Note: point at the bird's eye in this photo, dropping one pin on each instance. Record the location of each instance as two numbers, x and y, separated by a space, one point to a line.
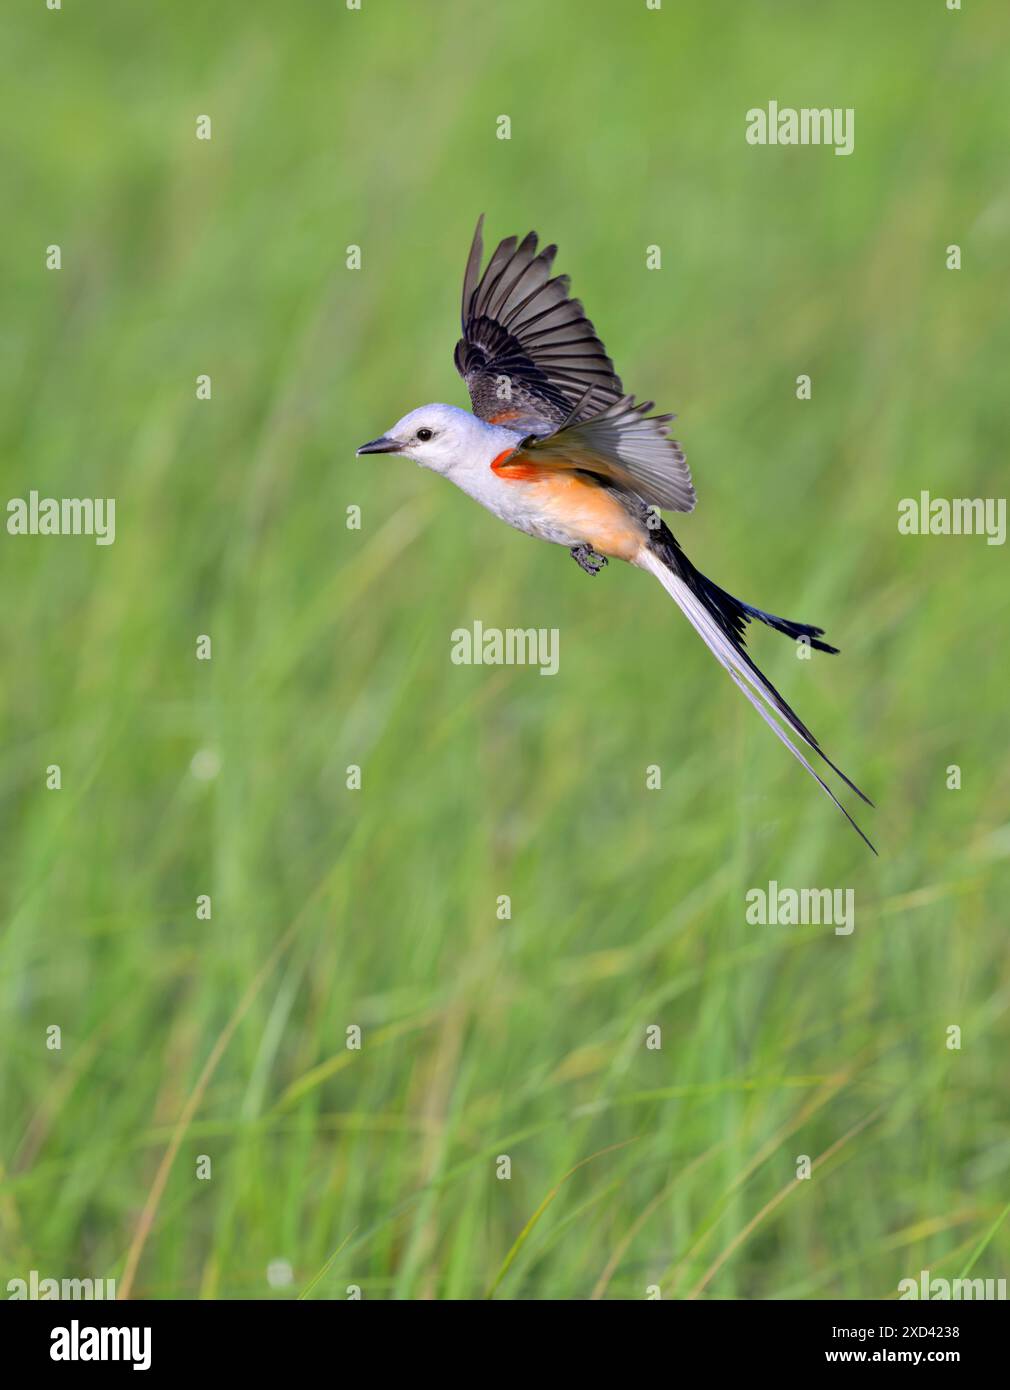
424 434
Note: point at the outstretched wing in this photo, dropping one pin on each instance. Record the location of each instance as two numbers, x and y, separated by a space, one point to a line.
528 353
626 447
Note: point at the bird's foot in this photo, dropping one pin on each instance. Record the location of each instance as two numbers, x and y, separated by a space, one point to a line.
586 557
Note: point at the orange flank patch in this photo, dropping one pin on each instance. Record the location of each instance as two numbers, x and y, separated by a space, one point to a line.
502 416
594 515
565 500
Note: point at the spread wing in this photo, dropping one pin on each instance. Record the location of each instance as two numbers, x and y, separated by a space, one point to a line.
528 353
626 447
531 360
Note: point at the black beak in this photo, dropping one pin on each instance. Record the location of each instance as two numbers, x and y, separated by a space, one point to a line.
382 445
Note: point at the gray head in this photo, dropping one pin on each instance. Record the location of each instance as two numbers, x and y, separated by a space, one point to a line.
435 436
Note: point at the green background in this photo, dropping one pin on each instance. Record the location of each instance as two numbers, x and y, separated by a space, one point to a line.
377 908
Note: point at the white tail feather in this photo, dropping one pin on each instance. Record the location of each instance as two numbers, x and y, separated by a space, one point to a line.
743 673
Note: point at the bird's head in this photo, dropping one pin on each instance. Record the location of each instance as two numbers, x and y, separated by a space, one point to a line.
435 436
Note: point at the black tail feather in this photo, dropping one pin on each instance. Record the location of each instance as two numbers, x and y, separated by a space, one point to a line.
795 630
732 615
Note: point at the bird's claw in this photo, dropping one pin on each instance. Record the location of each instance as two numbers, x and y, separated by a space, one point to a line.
586 558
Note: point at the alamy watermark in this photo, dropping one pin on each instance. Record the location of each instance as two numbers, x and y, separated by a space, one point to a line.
63 516
810 125
510 646
791 907
928 1287
953 516
36 1287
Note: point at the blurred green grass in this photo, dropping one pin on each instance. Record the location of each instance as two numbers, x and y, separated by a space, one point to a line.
484 1038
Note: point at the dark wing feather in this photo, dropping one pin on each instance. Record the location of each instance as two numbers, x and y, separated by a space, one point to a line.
528 354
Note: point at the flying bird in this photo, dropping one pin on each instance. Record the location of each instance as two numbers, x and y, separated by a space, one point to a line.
556 448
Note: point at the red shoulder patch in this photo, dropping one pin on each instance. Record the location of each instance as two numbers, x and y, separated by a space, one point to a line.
519 471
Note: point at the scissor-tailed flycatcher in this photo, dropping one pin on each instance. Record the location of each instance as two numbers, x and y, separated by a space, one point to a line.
556 449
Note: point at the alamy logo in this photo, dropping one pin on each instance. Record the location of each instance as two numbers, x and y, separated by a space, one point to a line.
791 907
511 646
927 1287
63 516
810 125
77 1343
953 516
